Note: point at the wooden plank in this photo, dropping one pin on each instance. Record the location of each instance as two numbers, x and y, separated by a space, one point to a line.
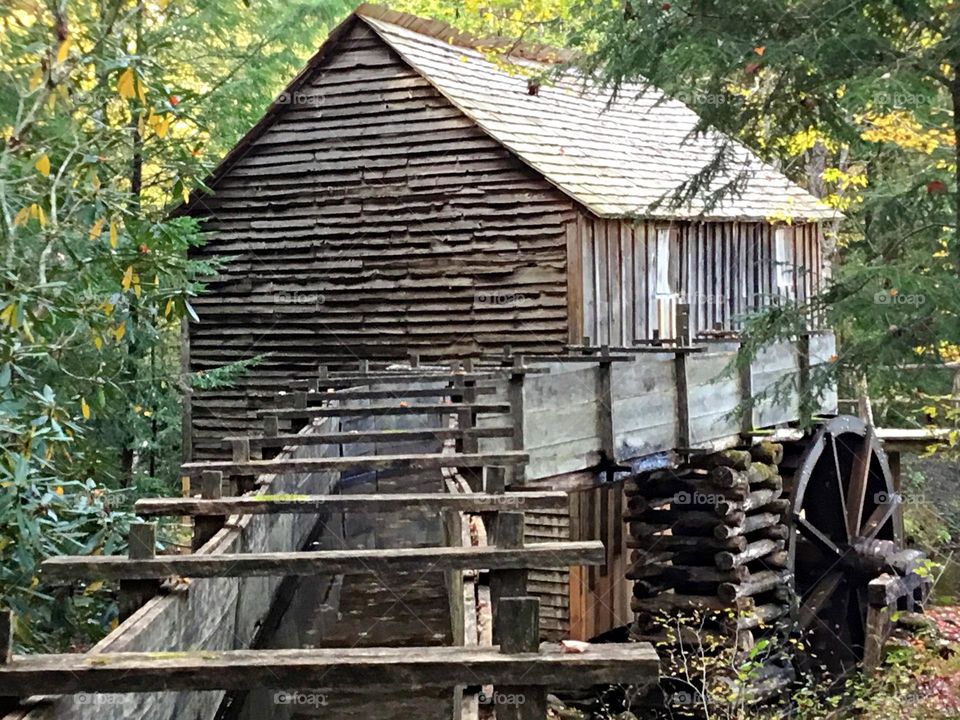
352 380
333 562
373 436
399 393
379 462
380 410
575 306
431 502
359 668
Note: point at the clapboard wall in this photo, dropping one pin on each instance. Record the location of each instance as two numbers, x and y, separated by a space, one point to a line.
369 218
722 270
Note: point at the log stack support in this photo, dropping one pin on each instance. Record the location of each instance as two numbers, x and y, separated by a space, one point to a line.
710 537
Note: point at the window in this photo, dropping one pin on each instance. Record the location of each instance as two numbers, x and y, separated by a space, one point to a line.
784 261
667 281
666 261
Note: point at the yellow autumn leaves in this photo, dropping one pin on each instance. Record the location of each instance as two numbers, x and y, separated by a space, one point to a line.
903 129
96 230
129 86
34 211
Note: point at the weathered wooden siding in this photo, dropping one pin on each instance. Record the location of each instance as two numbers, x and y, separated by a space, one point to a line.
372 217
722 270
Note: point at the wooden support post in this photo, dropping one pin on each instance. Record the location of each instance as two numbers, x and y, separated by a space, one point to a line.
414 360
896 473
240 449
6 637
322 372
746 399
515 396
605 406
518 628
271 425
271 429
806 401
205 527
684 338
466 422
877 629
300 400
508 533
495 479
683 399
141 545
363 365
8 704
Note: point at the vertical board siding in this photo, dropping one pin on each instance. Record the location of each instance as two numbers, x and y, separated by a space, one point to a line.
371 218
599 596
724 271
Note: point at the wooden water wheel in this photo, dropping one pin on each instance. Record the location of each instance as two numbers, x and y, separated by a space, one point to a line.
846 521
786 536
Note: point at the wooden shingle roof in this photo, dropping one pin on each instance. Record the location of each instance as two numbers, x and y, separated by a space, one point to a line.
621 156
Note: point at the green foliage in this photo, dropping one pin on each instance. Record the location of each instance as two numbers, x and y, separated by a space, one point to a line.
857 103
108 112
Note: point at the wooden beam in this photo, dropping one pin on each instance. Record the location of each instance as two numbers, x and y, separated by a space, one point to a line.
378 503
361 668
332 562
363 462
314 398
381 410
273 440
337 380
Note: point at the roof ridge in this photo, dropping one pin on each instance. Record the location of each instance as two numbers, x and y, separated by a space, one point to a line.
445 32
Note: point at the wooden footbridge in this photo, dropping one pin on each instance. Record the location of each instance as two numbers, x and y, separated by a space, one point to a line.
548 498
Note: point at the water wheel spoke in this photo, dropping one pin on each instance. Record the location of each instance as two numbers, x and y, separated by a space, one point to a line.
818 538
817 597
857 489
839 482
879 517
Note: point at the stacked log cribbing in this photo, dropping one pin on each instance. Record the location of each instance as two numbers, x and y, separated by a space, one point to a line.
709 537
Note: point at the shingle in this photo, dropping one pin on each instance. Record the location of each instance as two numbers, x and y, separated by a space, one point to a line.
618 156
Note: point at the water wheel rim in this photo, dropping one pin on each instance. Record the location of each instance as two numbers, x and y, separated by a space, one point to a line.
843 505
